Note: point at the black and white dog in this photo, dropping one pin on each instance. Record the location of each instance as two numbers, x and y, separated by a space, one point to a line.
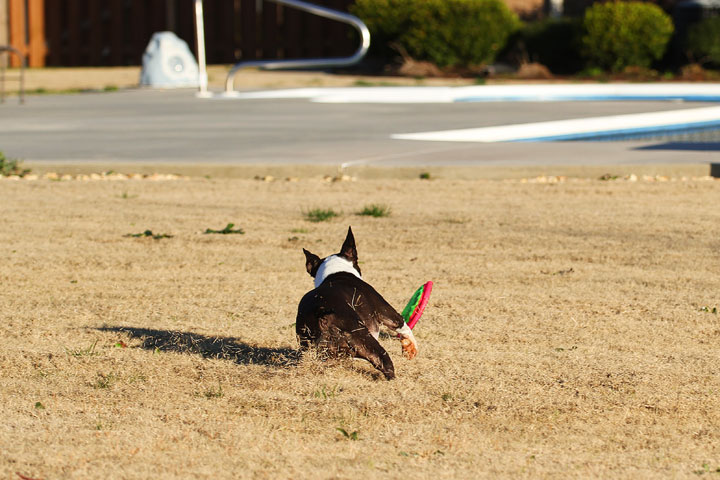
342 315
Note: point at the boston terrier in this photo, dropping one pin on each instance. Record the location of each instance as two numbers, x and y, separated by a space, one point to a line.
342 314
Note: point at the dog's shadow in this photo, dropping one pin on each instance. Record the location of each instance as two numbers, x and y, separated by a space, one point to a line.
227 348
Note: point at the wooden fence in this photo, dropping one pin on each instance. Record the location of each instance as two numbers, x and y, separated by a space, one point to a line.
116 32
26 31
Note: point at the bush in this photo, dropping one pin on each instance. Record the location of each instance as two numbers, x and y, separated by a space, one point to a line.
703 41
618 35
10 167
554 42
457 33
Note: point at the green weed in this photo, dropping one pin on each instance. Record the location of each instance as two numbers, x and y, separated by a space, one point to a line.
425 176
324 392
148 233
706 469
375 210
214 392
320 214
225 231
105 381
348 436
83 352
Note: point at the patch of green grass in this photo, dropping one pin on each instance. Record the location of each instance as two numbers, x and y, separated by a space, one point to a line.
11 167
365 83
148 233
376 210
326 392
83 352
214 392
226 231
607 177
105 381
709 310
299 230
706 469
425 176
70 91
39 406
346 435
320 214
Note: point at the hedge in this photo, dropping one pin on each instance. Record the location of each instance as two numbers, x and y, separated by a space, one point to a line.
623 34
454 33
703 41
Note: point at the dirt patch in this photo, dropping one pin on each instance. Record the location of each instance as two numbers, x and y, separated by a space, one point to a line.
571 328
71 80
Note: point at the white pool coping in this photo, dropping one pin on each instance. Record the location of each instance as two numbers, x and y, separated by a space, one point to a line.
577 128
541 131
702 92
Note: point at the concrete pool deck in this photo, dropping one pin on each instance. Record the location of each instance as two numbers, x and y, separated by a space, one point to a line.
149 126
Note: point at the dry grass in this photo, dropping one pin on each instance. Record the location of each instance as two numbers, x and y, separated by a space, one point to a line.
566 336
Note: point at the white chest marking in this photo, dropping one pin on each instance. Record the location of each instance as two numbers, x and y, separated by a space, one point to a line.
334 264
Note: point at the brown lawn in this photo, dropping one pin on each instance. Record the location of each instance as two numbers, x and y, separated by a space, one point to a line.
571 332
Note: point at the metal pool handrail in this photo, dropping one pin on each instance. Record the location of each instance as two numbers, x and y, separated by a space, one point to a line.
310 62
21 77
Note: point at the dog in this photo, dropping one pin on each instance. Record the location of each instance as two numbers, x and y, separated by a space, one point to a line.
342 314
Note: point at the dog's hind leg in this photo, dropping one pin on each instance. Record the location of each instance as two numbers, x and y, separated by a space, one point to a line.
347 336
364 345
389 317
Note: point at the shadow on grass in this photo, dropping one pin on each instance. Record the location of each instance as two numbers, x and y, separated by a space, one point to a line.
210 347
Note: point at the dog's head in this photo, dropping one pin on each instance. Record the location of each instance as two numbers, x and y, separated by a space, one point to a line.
344 261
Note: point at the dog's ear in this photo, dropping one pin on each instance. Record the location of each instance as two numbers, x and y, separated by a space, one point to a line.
348 249
312 262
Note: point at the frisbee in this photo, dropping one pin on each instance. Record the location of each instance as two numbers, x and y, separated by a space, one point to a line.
415 307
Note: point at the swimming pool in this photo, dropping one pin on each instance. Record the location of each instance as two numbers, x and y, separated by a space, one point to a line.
703 123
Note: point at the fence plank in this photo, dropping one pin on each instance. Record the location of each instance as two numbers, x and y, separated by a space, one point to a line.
53 22
248 30
95 37
16 11
117 37
73 29
138 23
36 33
270 31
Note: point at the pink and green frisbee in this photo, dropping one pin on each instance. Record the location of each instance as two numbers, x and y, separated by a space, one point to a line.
415 307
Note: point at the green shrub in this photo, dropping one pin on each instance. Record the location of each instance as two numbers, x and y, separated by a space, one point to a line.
446 32
11 167
703 41
618 35
556 43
